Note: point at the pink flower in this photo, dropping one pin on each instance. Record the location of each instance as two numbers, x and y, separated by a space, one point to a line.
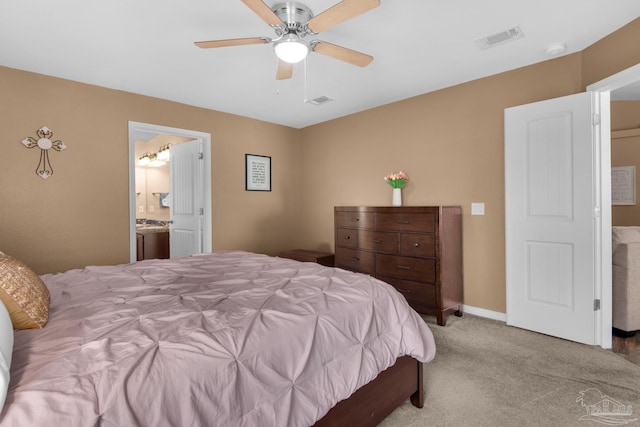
397 180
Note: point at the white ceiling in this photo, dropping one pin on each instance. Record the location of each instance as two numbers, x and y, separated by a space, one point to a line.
146 47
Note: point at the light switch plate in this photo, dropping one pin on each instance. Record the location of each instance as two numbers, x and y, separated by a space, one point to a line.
477 208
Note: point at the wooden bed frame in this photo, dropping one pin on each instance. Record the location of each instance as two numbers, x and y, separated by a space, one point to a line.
370 404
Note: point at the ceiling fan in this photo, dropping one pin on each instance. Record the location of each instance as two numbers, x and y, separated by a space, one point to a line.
292 23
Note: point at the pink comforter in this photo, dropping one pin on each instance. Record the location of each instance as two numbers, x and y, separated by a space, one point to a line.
222 339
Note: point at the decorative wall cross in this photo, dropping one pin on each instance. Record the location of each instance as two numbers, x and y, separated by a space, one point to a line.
43 141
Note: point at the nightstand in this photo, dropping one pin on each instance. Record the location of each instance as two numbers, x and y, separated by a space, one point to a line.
322 258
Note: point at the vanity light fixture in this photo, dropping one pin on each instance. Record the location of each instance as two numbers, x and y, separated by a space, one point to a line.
144 160
150 159
155 161
164 153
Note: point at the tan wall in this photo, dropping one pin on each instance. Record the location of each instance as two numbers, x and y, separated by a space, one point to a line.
626 152
625 115
80 215
616 52
450 143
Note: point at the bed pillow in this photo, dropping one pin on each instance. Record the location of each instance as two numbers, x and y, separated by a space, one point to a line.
6 348
23 294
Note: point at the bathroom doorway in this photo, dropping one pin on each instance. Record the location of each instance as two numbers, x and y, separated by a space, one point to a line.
150 188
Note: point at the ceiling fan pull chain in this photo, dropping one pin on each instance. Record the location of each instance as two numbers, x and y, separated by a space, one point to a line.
305 80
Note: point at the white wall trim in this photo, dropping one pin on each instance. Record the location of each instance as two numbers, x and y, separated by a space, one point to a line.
616 81
602 88
136 131
482 312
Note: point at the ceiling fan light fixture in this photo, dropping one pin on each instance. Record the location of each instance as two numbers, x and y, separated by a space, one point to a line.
292 22
291 49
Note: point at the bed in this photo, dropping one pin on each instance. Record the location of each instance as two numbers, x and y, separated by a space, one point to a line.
229 338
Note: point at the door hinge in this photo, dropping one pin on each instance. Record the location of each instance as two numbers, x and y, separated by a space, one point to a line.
596 304
596 212
201 211
596 119
200 155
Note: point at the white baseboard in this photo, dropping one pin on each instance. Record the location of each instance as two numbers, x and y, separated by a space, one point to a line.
483 312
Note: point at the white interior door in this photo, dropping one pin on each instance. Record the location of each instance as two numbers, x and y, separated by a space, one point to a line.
187 199
551 217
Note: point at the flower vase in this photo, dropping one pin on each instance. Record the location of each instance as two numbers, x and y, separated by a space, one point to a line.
396 200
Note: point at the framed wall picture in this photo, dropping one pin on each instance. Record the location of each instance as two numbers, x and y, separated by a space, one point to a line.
623 185
258 172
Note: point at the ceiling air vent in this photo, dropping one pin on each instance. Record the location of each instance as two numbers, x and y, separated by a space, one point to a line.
319 100
499 38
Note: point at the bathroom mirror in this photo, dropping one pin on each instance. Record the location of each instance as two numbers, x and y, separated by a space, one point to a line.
152 178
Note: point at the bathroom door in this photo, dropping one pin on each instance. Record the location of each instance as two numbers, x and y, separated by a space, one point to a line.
187 198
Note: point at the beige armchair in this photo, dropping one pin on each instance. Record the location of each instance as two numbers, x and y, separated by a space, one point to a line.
626 278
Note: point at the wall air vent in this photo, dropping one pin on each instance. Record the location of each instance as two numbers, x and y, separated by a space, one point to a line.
500 38
319 100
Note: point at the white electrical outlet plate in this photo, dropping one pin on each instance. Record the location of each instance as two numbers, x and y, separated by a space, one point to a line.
477 208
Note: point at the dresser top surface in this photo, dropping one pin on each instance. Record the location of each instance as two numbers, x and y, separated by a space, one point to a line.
393 208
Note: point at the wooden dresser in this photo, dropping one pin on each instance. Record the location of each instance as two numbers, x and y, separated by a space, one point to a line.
417 249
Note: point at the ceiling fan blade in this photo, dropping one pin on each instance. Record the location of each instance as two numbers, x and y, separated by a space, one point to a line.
261 9
339 13
342 53
285 70
231 42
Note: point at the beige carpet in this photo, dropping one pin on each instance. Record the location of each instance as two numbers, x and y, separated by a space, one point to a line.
488 374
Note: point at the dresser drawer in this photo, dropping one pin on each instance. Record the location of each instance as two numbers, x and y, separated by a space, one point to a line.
416 293
422 245
352 259
406 268
354 219
423 222
378 241
347 237
416 249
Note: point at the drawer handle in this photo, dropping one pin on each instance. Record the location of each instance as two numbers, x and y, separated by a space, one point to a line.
377 241
400 221
355 259
417 245
347 237
404 291
404 267
355 219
